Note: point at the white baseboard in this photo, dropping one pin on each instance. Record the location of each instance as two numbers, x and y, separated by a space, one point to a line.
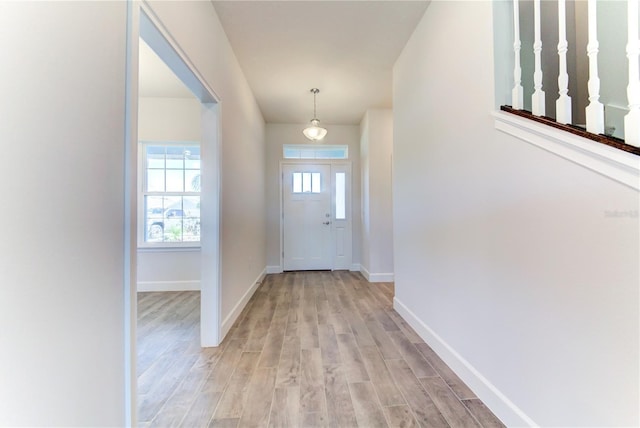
355 267
376 277
168 285
274 269
237 309
495 400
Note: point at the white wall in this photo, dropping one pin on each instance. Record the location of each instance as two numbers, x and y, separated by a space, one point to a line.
169 119
276 136
196 29
505 258
62 179
376 147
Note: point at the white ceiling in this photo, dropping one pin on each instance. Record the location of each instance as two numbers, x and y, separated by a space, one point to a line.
345 48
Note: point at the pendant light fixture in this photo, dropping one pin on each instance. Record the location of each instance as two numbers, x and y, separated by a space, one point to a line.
314 132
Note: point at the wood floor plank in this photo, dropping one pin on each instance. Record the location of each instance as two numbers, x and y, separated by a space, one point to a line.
314 420
482 414
260 327
328 345
272 348
289 364
340 410
201 411
312 382
162 390
224 423
339 323
424 410
380 377
387 323
455 383
367 407
400 417
351 358
450 407
180 401
322 308
412 356
221 373
387 348
360 331
404 327
234 396
259 395
285 410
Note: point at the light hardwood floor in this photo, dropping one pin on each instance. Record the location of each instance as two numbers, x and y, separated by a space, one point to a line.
310 349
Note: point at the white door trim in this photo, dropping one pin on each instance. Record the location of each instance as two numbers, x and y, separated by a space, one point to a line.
142 22
336 166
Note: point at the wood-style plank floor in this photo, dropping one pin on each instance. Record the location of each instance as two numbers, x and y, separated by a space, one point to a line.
310 349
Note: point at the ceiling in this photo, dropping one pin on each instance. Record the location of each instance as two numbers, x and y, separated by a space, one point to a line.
345 48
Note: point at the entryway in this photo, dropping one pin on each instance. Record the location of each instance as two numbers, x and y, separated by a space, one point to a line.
316 216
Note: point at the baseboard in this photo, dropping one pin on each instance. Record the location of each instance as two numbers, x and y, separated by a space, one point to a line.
237 309
168 286
495 400
376 277
355 267
274 269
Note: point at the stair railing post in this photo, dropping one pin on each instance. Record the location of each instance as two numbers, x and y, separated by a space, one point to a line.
595 109
632 119
537 99
563 103
517 94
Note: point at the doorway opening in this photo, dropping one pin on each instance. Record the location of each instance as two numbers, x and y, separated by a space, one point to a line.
169 206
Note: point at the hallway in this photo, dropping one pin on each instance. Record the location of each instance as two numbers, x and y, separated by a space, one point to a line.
310 349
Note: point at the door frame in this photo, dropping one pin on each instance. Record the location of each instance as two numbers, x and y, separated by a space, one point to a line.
142 22
335 166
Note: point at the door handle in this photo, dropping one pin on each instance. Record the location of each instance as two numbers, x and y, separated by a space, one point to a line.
326 223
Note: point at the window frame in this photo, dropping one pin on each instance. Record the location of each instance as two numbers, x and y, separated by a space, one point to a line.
141 193
304 151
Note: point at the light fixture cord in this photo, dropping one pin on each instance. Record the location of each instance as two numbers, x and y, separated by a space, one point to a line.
314 105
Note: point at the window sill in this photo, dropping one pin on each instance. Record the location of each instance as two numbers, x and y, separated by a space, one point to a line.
181 249
619 165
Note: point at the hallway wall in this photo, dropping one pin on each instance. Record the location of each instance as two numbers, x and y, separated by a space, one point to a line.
62 358
376 149
507 259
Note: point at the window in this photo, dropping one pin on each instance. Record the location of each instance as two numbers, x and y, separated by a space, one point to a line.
341 201
306 182
170 194
308 151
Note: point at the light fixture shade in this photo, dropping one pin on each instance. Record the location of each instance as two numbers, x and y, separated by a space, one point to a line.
315 132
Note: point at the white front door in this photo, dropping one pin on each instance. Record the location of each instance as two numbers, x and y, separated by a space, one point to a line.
307 217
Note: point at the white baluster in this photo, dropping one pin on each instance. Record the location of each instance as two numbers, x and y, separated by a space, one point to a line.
537 99
517 94
563 103
632 119
595 109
